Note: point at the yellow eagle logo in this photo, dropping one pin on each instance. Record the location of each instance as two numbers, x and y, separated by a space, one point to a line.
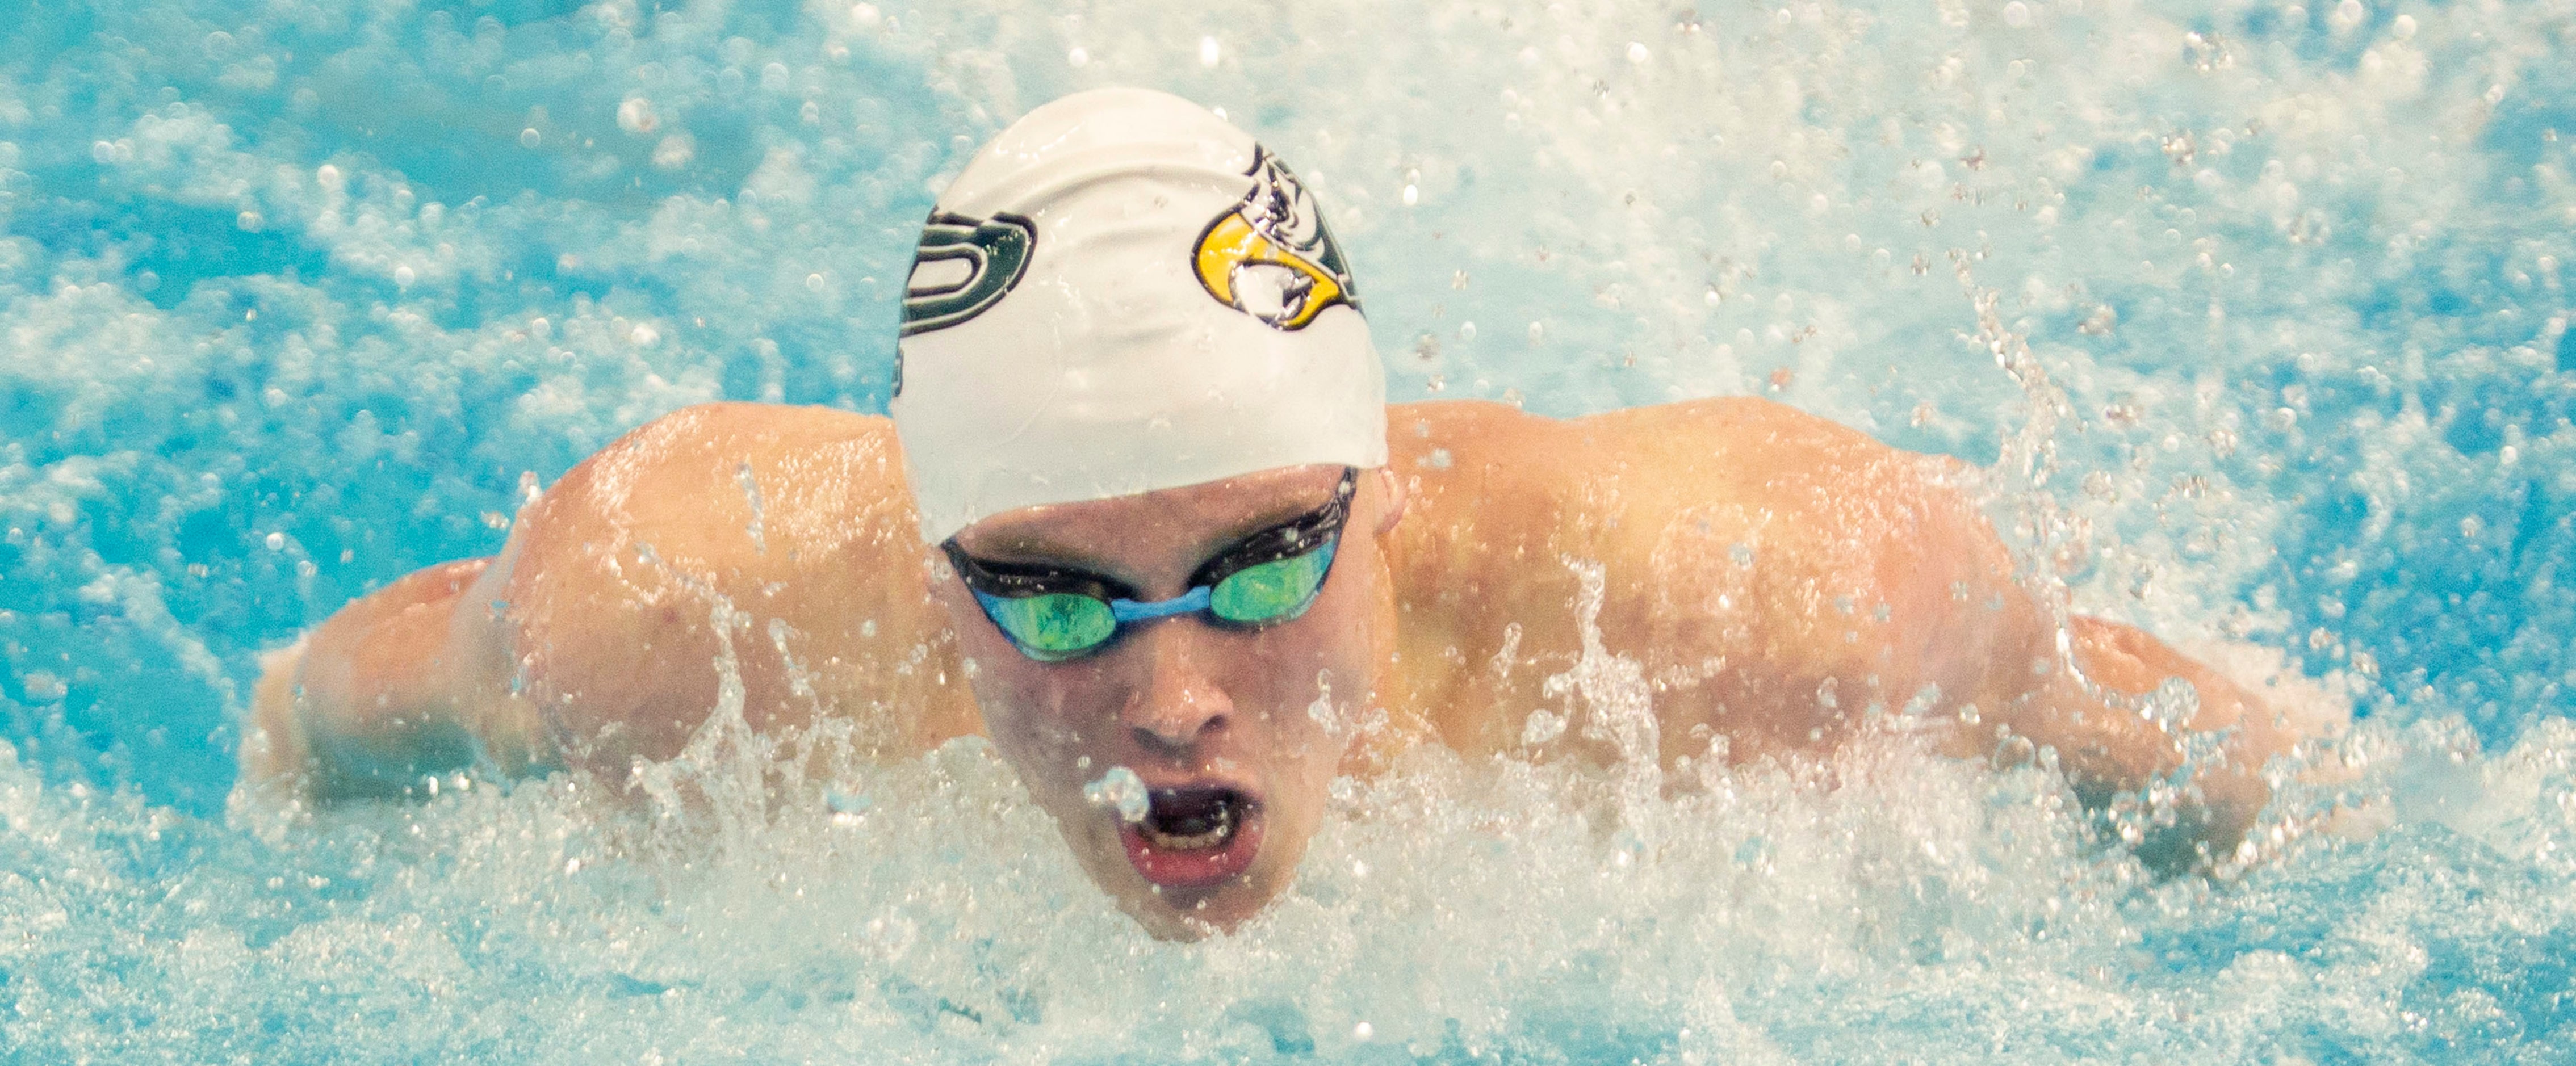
1270 256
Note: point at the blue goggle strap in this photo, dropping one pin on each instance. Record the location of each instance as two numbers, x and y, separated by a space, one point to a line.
1191 602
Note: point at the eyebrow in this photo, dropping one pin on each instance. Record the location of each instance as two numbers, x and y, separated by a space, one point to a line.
1017 563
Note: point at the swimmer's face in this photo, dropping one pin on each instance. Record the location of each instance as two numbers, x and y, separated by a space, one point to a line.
1236 732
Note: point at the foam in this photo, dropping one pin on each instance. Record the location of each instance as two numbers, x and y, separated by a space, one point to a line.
2272 353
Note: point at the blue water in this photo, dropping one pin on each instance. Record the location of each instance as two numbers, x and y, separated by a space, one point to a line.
2255 312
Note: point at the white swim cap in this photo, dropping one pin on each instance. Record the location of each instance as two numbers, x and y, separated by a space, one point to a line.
1123 293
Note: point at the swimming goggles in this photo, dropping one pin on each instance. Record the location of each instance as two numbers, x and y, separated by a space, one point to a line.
1053 613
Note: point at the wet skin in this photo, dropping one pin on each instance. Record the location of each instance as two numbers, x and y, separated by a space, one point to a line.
1777 579
1183 703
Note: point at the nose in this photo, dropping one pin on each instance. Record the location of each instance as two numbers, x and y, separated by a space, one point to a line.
1177 704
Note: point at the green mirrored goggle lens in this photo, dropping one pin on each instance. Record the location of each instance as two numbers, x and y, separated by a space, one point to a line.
1273 591
1055 625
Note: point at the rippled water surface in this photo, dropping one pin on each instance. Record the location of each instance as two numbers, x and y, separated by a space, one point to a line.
2254 310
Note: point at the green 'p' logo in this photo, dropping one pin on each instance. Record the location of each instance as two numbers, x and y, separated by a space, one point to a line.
962 266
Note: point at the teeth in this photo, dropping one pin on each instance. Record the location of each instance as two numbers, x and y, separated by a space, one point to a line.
1215 835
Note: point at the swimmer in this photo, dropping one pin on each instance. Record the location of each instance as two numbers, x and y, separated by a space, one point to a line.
1141 515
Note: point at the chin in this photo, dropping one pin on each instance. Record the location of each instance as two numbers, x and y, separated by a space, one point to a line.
1195 914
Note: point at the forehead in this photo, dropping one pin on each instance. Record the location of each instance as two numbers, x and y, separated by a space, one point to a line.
1144 526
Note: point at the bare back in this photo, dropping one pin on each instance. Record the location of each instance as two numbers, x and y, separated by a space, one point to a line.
1776 578
1774 575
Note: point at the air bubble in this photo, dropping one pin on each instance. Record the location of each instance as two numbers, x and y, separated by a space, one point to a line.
675 151
636 116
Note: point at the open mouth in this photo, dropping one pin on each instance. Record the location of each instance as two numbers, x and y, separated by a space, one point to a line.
1194 837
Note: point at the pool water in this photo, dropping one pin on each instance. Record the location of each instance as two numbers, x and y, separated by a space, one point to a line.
2255 313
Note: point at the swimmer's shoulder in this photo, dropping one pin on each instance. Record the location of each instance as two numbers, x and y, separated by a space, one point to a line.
794 520
1672 493
1740 433
733 499
1420 426
724 481
1732 443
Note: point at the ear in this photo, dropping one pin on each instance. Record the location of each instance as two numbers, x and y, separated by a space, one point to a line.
1393 488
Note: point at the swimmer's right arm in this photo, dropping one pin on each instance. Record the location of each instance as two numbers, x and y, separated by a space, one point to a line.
377 696
592 639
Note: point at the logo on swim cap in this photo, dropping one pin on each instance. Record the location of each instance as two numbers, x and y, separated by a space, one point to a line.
962 266
1270 256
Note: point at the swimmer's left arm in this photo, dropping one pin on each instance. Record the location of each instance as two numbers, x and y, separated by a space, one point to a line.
2098 717
1870 576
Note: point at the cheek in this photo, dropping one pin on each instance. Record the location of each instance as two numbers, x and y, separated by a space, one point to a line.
1042 717
1324 656
1342 638
1028 729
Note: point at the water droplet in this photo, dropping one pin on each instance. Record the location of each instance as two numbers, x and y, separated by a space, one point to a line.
1209 52
1078 57
1121 790
529 137
2017 14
